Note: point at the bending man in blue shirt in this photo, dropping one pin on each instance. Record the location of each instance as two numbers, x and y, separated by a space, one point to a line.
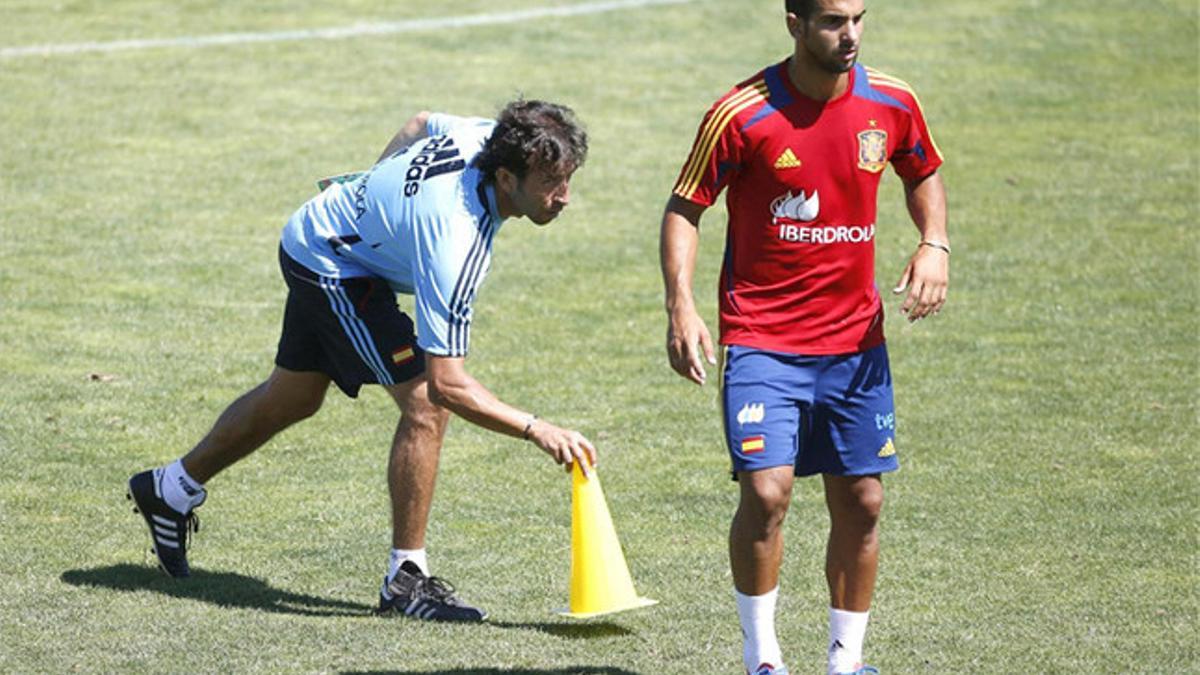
420 222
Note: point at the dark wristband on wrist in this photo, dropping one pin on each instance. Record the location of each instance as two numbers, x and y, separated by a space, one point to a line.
528 426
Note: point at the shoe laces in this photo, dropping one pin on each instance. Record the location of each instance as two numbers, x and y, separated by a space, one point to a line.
191 523
437 588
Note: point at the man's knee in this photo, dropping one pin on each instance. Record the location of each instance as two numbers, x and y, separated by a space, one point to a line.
286 400
306 408
416 407
857 502
428 417
764 503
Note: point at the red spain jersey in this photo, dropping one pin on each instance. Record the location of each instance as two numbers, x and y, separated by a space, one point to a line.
802 177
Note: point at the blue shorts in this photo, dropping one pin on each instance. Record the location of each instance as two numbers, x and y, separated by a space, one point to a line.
820 414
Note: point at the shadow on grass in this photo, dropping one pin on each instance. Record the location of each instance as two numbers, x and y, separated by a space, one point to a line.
569 631
225 589
571 670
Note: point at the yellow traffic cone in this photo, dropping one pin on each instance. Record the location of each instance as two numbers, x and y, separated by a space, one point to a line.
600 582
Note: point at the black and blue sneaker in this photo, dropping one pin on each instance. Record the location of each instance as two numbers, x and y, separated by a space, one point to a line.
411 593
170 530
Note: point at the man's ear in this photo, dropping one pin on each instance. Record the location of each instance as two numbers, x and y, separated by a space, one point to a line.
506 180
795 26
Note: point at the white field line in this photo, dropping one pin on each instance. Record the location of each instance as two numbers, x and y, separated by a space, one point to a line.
336 33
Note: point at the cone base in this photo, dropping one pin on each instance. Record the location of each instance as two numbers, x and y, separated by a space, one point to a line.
636 603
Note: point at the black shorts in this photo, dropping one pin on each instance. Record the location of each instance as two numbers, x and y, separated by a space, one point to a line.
349 329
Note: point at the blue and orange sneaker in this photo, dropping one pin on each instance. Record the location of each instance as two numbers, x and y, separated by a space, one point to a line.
862 670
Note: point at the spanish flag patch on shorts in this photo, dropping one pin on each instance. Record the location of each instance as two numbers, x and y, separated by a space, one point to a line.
752 445
402 356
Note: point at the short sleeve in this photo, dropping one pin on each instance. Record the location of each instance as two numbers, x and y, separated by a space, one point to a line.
916 155
715 155
450 267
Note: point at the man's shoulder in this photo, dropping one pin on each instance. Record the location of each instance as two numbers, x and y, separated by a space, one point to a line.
455 205
746 102
884 89
434 181
444 123
884 80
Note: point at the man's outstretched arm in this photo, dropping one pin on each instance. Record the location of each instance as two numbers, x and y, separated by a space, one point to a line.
452 387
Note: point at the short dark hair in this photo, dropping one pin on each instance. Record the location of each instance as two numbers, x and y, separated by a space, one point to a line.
803 9
534 134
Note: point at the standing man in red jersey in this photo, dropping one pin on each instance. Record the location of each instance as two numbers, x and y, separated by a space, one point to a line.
805 383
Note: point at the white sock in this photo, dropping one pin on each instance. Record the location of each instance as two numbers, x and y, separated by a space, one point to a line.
759 643
399 555
846 633
179 490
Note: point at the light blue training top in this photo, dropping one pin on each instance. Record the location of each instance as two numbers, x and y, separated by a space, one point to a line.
423 220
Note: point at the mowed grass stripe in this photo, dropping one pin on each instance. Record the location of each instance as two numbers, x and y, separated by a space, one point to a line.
334 33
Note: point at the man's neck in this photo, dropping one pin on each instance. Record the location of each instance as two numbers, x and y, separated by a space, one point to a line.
504 206
816 82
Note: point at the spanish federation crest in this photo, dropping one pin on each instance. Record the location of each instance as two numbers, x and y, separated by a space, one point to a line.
872 150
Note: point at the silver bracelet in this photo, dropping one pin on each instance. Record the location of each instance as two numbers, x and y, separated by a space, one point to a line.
935 244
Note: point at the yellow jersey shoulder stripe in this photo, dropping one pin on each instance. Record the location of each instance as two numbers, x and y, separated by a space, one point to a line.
706 141
714 126
872 72
889 84
881 79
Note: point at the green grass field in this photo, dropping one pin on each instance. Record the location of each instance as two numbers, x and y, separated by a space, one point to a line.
1045 520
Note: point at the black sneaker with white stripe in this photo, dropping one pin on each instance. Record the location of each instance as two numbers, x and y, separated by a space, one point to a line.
170 530
411 593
